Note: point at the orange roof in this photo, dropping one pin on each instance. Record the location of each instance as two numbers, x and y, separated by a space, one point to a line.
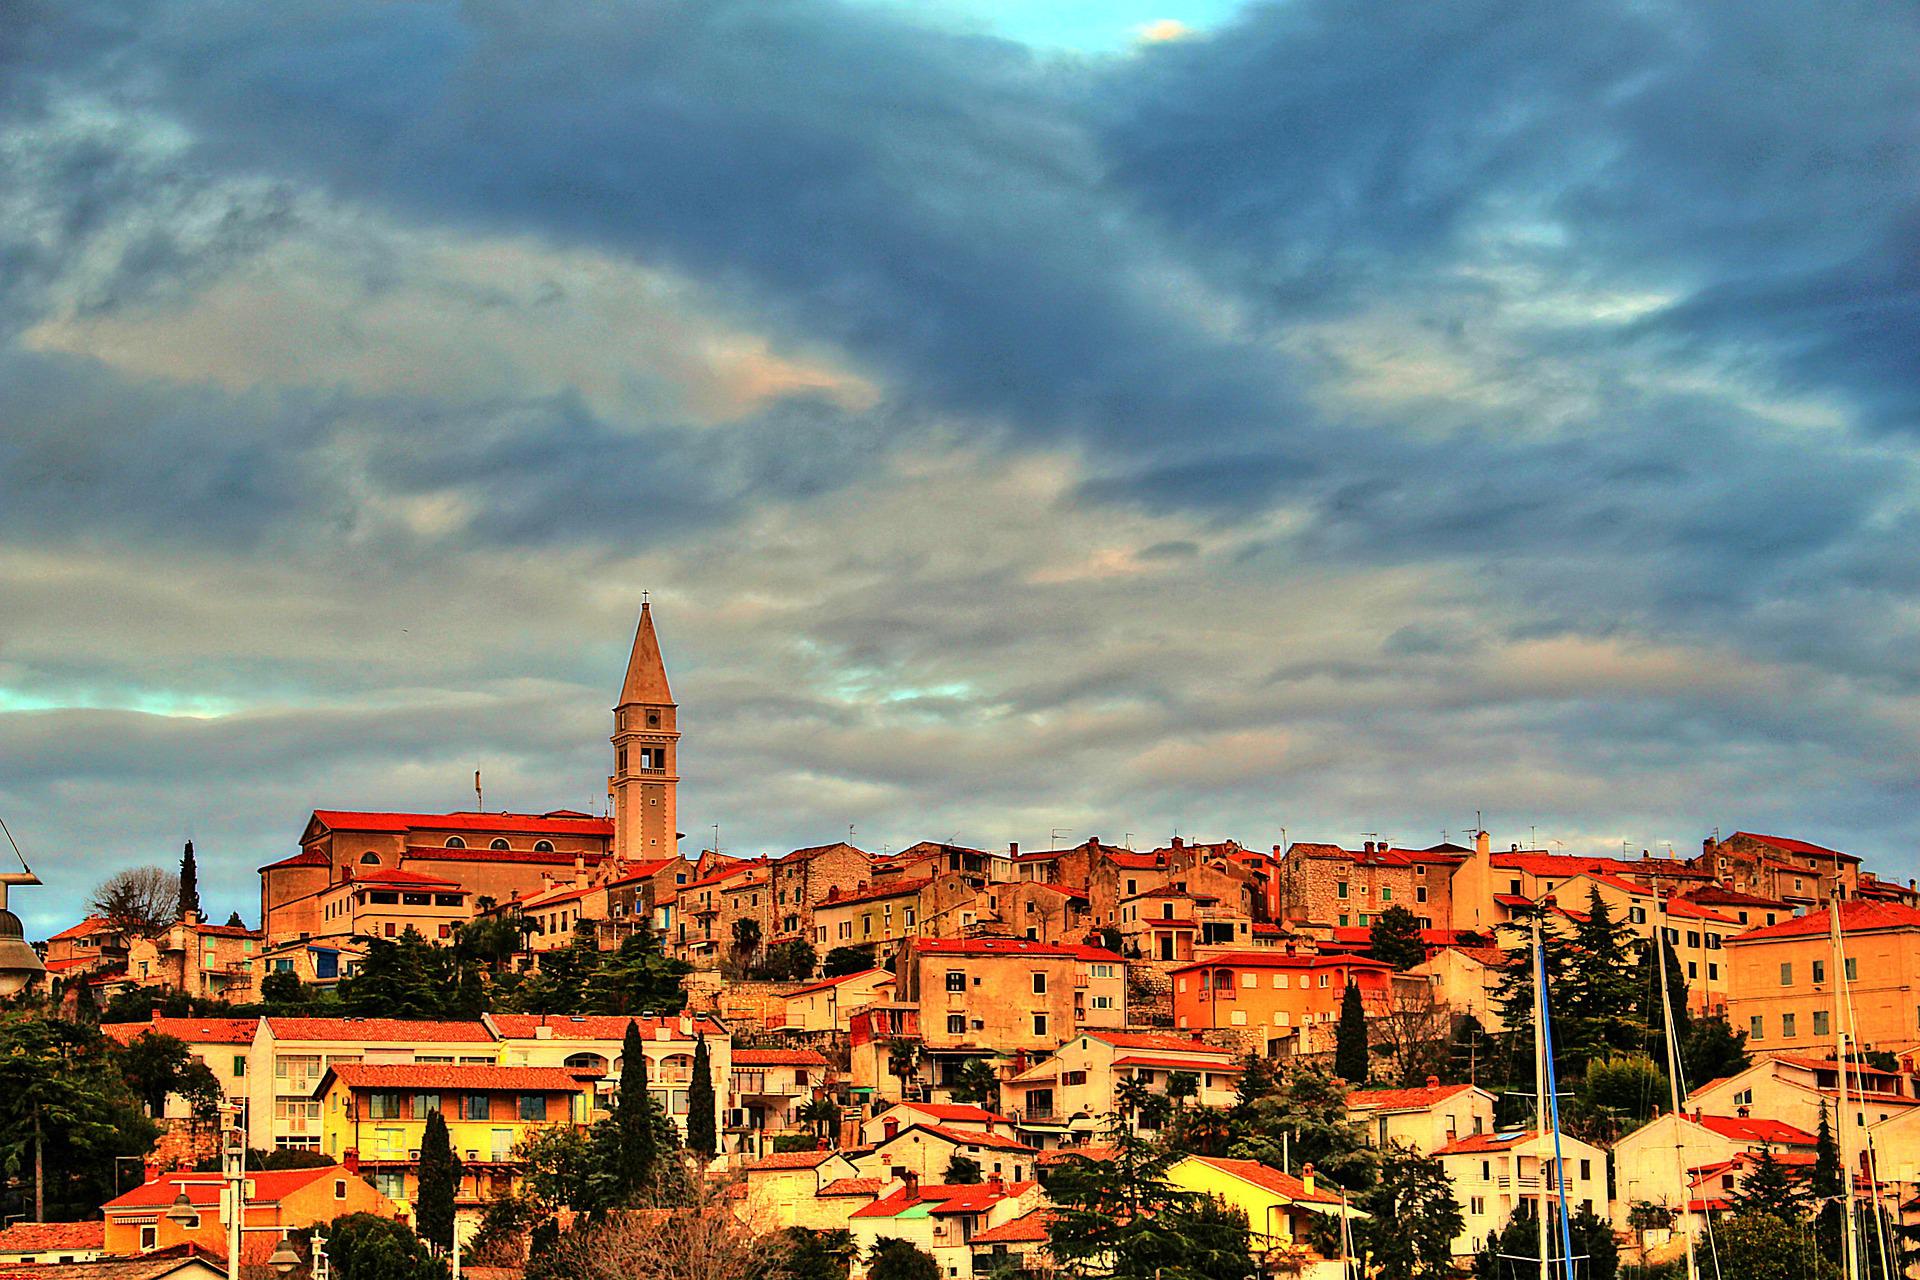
852 1187
1748 1129
964 1137
1165 1041
1280 960
1788 845
377 1030
642 871
191 1030
1402 1099
92 924
793 1160
993 947
1176 1064
32 1237
873 893
778 1058
954 1113
1500 1141
267 1186
1855 917
594 1026
402 877
304 858
974 1197
558 822
1028 1228
825 983
1088 1151
440 1075
1269 1179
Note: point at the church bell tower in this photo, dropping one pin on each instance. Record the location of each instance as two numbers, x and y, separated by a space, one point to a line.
646 743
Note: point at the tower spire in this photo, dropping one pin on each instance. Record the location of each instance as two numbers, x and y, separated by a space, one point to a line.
646 671
646 739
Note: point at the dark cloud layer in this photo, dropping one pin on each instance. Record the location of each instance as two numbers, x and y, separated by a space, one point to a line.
1345 411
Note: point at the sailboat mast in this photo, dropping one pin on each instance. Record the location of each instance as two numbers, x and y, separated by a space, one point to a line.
1540 1081
1841 1127
1673 1079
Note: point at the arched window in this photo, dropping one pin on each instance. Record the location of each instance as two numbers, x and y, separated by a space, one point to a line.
498 843
587 1062
369 859
455 842
543 846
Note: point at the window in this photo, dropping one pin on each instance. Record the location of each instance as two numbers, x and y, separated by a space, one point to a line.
1513 887
1103 971
455 842
1323 979
383 1106
1756 1027
1713 942
1852 969
1343 920
149 1237
1279 982
1420 890
1819 970
391 1183
339 1188
1787 1028
498 844
1636 915
957 980
533 1106
1786 973
1820 1022
1340 889
1478 1205
1386 895
446 899
1040 1024
543 846
956 1024
1673 936
424 1103
1693 970
1586 1166
1743 1098
1039 984
1713 973
1103 1002
1693 937
239 1064
479 1107
1365 919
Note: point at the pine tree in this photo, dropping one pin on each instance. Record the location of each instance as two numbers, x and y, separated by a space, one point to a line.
1303 1118
1648 1012
189 883
1829 1215
1350 1040
636 1135
1597 1013
1395 939
700 1123
1412 1219
439 1177
1770 1189
1515 997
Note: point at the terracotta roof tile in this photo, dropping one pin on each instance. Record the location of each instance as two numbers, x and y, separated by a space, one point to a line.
1269 1179
268 1186
560 822
595 1026
778 1058
1855 917
378 1030
33 1237
190 1030
792 1160
440 1075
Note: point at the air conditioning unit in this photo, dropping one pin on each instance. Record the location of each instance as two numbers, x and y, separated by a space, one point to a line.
413 1155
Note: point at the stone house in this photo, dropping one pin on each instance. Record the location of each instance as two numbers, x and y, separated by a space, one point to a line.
802 880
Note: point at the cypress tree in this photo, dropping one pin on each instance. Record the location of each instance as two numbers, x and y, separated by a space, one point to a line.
439 1176
1829 1218
638 1139
1350 1041
1599 1010
189 883
700 1127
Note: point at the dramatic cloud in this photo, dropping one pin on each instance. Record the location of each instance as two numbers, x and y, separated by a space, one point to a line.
1331 416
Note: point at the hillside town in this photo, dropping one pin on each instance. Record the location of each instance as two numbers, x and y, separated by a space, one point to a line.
541 1043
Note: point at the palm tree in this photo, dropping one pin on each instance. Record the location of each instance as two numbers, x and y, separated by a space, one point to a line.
822 1114
746 937
903 1059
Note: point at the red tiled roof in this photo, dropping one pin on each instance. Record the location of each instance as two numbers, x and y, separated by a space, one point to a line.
1280 960
873 893
825 983
1164 1041
1675 905
793 1160
1269 1179
304 858
594 1026
1475 1142
1855 917
1788 845
190 1030
1717 895
377 1030
1087 1151
33 1237
778 1058
1028 1228
226 931
1485 955
812 851
1747 1129
394 876
559 822
1402 1099
92 924
853 1187
718 877
440 1075
993 947
1176 1064
642 871
967 1198
955 1113
267 1186
964 1137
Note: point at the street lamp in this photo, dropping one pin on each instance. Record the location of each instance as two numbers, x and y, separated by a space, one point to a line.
283 1259
181 1212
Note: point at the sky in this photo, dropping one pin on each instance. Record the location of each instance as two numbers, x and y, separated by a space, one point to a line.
1031 421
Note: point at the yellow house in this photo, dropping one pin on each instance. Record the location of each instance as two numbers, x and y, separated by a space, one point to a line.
824 1005
1277 1204
375 1118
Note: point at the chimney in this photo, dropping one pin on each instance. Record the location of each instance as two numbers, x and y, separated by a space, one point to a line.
1178 843
686 1026
1433 1082
154 1171
1306 1176
1013 848
997 1184
542 1031
911 1181
1277 851
1743 1112
1482 842
350 1161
